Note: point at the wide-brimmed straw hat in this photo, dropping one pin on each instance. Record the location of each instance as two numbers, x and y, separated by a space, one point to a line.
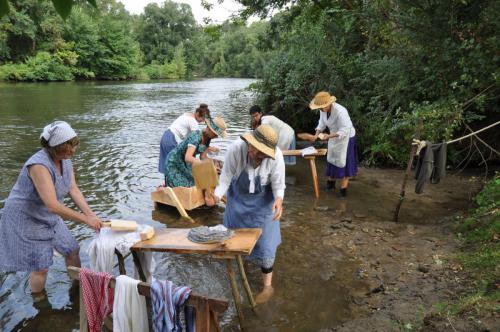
264 139
322 100
217 125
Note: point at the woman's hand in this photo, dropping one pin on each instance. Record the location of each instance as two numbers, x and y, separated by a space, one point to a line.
93 221
278 208
213 149
211 199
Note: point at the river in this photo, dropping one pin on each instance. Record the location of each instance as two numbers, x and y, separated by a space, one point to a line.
120 125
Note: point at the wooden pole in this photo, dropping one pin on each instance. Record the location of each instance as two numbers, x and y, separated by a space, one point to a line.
246 285
234 289
408 171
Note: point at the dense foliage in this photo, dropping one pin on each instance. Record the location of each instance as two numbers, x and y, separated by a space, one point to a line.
390 62
36 44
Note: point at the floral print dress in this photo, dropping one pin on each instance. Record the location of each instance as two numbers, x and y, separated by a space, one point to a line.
177 172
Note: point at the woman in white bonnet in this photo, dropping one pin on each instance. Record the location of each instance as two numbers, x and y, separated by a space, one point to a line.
31 225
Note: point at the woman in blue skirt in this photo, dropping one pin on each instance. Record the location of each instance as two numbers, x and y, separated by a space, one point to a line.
179 130
342 157
32 225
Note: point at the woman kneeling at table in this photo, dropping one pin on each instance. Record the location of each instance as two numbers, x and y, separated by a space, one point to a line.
178 171
32 225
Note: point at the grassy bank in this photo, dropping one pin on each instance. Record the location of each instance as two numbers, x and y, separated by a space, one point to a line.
479 256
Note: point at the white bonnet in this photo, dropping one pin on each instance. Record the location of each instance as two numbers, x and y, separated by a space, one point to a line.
57 133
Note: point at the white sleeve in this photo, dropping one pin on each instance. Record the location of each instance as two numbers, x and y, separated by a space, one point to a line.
278 176
344 123
228 170
321 123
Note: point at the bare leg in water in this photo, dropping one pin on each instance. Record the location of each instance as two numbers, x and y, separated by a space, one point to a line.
268 290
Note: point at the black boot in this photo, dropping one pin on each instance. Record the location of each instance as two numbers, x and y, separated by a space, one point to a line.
330 184
343 192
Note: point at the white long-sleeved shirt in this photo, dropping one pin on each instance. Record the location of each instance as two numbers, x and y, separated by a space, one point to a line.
271 171
285 133
182 126
338 122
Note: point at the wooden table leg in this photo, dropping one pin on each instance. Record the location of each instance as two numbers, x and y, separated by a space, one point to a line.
245 281
138 265
121 262
234 289
312 163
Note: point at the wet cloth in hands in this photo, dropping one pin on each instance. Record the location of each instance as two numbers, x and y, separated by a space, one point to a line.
102 249
214 234
129 309
166 302
431 165
97 296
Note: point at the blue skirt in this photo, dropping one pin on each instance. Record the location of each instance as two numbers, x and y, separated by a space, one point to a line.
351 163
291 160
167 144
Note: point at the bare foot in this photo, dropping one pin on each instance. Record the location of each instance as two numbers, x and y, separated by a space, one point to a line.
265 295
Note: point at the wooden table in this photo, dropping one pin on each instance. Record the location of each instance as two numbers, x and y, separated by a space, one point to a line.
175 240
312 163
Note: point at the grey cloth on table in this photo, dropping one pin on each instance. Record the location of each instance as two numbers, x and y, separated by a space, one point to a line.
204 234
431 165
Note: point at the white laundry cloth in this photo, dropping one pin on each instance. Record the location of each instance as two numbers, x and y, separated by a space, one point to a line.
307 151
129 308
102 249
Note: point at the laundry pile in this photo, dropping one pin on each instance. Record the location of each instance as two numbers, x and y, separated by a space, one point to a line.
214 234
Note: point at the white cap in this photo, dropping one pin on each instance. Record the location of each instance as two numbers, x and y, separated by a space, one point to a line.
57 133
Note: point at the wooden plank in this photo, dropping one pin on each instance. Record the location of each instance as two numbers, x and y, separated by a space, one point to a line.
144 289
321 152
175 240
205 175
244 279
190 198
236 293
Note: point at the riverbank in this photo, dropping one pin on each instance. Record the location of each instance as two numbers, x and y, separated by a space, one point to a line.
418 274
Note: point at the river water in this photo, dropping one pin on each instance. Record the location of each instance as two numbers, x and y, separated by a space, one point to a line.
120 125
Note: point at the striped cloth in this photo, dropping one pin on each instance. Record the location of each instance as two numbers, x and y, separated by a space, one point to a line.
166 299
97 296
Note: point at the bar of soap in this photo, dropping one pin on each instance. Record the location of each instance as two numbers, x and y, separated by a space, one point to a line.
147 233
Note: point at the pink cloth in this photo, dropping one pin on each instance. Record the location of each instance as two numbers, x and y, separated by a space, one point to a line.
97 296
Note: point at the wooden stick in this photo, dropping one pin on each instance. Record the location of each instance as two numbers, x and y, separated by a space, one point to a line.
234 289
121 262
178 204
408 171
312 163
83 312
246 285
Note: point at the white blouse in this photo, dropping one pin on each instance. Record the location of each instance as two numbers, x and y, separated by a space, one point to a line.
286 134
236 160
182 126
338 122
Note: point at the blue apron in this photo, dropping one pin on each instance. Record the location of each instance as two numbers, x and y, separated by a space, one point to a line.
245 210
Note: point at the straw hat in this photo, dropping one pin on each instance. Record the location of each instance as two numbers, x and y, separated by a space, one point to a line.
322 100
217 125
264 139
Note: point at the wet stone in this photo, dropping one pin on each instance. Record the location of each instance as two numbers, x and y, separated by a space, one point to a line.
321 208
423 268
